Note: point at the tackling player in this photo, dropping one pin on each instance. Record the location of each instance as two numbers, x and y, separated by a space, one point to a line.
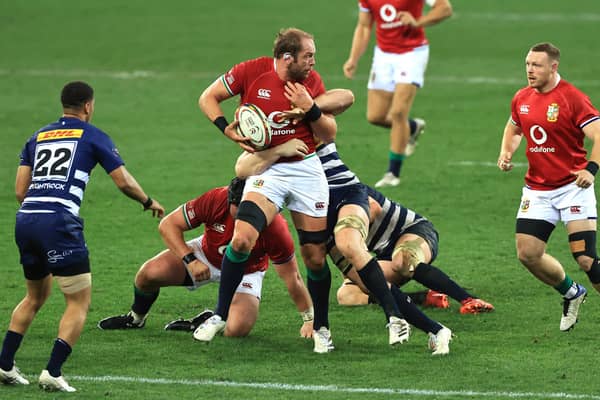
55 168
555 117
203 255
275 85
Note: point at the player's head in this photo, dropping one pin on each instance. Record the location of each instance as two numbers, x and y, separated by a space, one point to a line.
297 50
78 98
235 191
542 65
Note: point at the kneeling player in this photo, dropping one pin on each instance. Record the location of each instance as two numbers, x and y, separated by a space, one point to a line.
195 263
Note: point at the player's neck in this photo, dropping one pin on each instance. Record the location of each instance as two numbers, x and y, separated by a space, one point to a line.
552 83
70 114
280 70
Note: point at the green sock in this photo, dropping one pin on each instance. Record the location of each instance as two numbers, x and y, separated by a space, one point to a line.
565 285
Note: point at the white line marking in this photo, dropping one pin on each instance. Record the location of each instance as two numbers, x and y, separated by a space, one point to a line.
335 388
483 164
530 17
158 75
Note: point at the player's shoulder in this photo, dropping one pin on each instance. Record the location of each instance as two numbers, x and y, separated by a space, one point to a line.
258 64
567 87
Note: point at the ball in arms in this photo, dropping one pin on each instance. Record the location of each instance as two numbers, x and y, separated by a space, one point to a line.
253 124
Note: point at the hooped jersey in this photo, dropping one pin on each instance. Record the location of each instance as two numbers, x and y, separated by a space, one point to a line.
337 173
212 209
392 36
552 124
257 82
62 156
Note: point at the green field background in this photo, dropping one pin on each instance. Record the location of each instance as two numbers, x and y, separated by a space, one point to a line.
150 60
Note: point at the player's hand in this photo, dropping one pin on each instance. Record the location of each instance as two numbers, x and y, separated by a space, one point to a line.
231 133
297 94
294 115
585 179
406 18
292 148
306 331
505 161
157 209
349 69
198 270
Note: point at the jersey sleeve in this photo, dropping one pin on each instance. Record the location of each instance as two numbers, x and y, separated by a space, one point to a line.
106 152
199 210
235 79
363 5
279 242
514 113
24 157
583 110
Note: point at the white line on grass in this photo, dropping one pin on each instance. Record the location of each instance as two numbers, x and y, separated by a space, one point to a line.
483 164
335 388
151 75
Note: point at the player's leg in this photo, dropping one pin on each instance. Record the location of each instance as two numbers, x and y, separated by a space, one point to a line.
255 212
242 315
164 269
378 106
77 291
582 241
22 316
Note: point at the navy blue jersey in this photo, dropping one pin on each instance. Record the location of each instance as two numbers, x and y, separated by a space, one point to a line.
390 224
62 156
337 173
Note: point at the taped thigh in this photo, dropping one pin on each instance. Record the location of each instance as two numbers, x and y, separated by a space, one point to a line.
352 222
412 253
75 283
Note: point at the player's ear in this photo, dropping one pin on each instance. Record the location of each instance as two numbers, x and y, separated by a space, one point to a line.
287 56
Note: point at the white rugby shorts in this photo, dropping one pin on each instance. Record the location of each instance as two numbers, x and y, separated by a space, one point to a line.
299 185
567 203
389 69
251 283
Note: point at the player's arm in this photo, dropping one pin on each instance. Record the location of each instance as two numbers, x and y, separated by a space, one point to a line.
210 104
288 272
171 229
256 163
586 176
510 142
440 10
360 42
22 182
132 189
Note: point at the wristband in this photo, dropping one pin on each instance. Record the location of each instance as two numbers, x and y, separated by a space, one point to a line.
221 123
313 114
592 167
308 315
147 203
188 258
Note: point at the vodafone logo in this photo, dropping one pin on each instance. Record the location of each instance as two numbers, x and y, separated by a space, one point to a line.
538 134
387 13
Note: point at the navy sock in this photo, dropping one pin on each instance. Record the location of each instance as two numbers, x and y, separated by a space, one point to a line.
142 301
437 280
11 344
60 352
412 314
396 161
413 126
319 285
373 278
232 272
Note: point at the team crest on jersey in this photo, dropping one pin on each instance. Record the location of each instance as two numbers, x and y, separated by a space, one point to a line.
524 205
552 113
258 183
524 109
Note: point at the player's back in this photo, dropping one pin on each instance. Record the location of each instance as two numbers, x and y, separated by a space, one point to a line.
62 156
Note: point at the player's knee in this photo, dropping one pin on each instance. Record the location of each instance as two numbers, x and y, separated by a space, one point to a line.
313 257
242 243
583 249
237 328
529 255
376 119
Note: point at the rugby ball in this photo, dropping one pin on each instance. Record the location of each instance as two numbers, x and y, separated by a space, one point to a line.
253 124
